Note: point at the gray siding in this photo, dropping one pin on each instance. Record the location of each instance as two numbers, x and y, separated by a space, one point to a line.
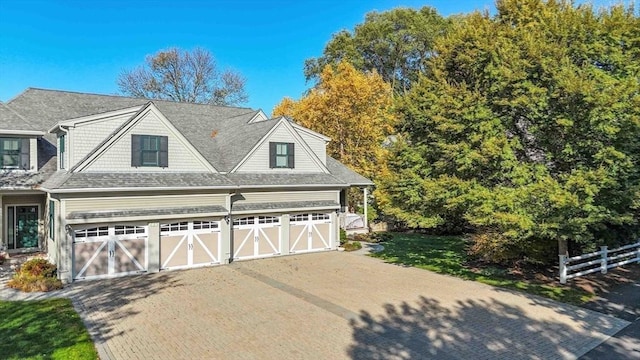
118 156
267 197
318 146
142 202
86 136
259 160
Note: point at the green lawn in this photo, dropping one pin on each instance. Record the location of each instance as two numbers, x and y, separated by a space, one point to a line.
43 329
447 255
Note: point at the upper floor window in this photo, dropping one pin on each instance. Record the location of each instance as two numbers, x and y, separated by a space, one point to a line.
281 155
14 153
62 147
149 150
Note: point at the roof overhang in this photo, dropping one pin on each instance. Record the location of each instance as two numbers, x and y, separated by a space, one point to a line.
89 217
22 132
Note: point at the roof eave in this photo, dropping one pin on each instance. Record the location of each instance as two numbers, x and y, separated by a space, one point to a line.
22 132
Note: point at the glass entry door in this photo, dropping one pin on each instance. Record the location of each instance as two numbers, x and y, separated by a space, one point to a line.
22 227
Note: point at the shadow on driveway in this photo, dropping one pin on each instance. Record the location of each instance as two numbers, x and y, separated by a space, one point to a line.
425 330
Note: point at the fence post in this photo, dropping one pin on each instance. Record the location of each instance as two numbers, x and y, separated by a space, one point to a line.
563 269
603 262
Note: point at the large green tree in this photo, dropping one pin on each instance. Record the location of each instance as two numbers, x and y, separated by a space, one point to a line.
526 131
396 43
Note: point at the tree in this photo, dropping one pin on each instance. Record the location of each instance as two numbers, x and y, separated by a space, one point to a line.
526 131
179 75
396 43
354 109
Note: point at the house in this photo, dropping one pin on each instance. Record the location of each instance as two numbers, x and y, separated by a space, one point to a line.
110 185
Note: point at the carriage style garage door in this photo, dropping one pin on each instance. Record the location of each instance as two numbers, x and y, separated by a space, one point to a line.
189 244
310 232
256 236
109 250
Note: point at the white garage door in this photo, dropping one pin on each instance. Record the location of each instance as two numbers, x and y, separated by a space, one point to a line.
108 250
309 232
256 236
188 244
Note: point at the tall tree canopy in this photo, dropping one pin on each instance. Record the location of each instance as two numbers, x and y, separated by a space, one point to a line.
526 130
353 109
184 76
396 43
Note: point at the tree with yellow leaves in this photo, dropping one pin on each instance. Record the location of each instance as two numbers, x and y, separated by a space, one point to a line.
354 109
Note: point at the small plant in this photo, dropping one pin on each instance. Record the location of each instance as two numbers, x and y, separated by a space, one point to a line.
343 237
352 246
35 275
2 257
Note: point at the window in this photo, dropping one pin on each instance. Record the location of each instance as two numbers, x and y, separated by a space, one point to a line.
129 229
316 216
149 150
281 155
179 226
62 148
10 153
92 232
268 220
243 221
197 225
52 220
299 217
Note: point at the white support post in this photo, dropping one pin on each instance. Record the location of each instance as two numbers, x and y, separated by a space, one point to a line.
563 269
366 205
603 261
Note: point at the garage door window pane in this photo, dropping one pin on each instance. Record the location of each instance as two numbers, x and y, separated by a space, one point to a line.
198 225
300 217
319 216
268 220
179 226
92 232
244 221
126 230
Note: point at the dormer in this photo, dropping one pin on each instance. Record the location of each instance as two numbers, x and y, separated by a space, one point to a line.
18 142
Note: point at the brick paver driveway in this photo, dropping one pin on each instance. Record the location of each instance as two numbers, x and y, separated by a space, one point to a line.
328 306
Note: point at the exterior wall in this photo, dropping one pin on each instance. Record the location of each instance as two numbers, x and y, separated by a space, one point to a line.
318 146
267 197
118 156
86 136
259 160
142 202
33 154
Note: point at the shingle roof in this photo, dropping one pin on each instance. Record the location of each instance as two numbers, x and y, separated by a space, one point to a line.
86 180
285 205
26 180
345 174
189 210
221 134
10 120
284 179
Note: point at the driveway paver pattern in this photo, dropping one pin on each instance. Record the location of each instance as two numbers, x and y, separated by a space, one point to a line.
328 306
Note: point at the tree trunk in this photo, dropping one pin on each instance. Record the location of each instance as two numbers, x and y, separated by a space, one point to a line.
563 247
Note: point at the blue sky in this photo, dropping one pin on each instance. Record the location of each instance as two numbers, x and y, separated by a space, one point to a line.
84 45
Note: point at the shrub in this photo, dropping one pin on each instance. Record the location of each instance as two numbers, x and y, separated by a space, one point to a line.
35 275
2 257
352 246
343 237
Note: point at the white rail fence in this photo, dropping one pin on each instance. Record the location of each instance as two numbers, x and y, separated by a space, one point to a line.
602 261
